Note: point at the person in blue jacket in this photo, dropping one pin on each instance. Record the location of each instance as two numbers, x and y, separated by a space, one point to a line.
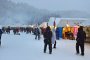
57 33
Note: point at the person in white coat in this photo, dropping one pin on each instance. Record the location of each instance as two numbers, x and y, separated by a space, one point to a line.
54 37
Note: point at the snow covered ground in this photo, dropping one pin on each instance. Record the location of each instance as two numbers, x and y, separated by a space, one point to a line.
25 47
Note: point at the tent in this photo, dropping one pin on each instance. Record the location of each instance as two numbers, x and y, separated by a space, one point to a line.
62 22
44 25
66 25
70 21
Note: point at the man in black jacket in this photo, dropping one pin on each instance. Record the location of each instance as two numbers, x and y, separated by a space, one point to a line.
81 37
47 40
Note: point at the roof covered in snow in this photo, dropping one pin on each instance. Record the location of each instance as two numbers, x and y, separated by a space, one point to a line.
61 22
86 23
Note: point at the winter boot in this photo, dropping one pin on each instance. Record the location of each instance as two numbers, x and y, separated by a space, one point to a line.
82 54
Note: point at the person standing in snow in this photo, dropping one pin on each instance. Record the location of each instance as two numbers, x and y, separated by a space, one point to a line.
47 39
0 35
37 33
54 37
81 37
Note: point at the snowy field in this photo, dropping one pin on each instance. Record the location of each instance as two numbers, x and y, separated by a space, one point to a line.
25 47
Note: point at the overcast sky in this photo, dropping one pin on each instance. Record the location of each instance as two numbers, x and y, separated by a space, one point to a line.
58 5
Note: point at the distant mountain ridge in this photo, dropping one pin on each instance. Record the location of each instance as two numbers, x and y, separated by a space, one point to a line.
13 13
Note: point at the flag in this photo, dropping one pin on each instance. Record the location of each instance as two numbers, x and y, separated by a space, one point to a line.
54 23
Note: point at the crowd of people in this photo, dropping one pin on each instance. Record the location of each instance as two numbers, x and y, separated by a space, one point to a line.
49 35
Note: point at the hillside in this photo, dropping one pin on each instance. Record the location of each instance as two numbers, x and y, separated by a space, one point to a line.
13 13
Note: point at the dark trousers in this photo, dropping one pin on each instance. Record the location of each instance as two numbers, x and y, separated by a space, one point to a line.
50 47
0 40
37 36
55 45
81 47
